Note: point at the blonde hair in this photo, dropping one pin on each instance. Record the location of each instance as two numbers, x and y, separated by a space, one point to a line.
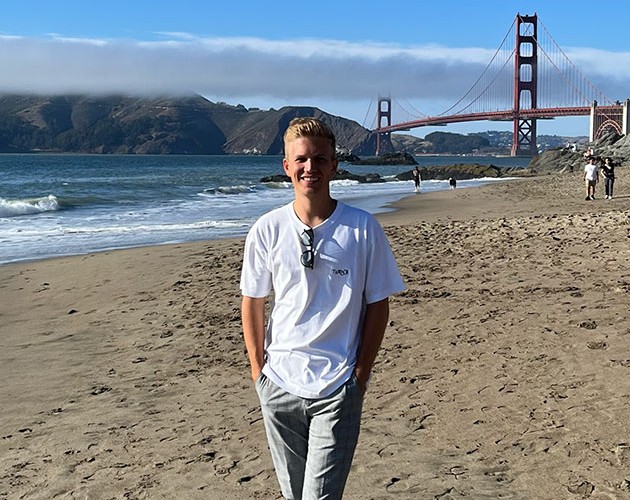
309 127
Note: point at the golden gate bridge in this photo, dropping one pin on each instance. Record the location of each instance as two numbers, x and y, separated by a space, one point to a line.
529 78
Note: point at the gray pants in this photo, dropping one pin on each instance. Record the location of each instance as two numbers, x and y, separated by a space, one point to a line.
312 441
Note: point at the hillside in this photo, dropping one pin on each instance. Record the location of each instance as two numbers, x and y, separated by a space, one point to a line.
482 143
185 125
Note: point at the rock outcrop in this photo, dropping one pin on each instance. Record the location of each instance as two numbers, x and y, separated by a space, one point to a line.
462 171
614 146
388 159
341 175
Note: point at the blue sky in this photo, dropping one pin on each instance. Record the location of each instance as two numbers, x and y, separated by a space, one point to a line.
337 55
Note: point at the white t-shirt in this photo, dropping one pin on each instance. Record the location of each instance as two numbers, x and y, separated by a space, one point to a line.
316 320
590 172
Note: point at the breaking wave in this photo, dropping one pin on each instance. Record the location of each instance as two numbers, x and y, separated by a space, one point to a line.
28 206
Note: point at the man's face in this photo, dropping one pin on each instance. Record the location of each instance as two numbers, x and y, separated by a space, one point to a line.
311 165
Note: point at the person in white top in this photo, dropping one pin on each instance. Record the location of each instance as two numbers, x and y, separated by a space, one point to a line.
331 271
591 176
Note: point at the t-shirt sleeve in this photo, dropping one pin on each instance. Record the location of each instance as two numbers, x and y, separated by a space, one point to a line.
383 277
255 275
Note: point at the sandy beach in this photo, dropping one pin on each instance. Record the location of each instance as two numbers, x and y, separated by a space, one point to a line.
505 371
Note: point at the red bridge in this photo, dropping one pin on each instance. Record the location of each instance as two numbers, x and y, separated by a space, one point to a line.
528 81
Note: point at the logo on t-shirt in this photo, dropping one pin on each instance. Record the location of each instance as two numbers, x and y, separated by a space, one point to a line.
340 272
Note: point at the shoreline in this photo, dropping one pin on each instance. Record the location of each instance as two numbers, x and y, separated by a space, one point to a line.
504 371
385 211
45 249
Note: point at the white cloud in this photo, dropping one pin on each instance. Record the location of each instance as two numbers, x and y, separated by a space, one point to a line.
608 64
233 66
289 71
80 41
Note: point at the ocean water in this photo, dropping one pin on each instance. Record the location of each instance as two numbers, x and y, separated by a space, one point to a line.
55 205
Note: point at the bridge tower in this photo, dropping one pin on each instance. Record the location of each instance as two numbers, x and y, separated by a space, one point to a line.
608 119
525 85
383 143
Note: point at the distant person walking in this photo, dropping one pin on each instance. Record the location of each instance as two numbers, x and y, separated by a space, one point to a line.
452 182
416 178
591 177
608 171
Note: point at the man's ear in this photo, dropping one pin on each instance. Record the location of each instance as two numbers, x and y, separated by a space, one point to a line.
335 163
285 166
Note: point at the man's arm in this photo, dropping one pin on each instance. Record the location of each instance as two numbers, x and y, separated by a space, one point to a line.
253 318
375 322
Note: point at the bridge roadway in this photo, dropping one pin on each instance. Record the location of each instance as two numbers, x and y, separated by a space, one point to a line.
508 115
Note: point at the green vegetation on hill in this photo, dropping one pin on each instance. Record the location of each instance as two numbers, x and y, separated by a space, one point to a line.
446 142
168 125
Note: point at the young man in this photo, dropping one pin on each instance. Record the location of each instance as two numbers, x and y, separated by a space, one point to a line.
591 176
331 270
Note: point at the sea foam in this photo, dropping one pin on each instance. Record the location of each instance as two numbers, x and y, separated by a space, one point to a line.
28 206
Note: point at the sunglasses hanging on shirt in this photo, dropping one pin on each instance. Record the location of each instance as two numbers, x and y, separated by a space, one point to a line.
308 255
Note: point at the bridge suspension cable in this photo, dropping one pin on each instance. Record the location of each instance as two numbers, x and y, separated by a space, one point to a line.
403 113
502 78
563 82
369 113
